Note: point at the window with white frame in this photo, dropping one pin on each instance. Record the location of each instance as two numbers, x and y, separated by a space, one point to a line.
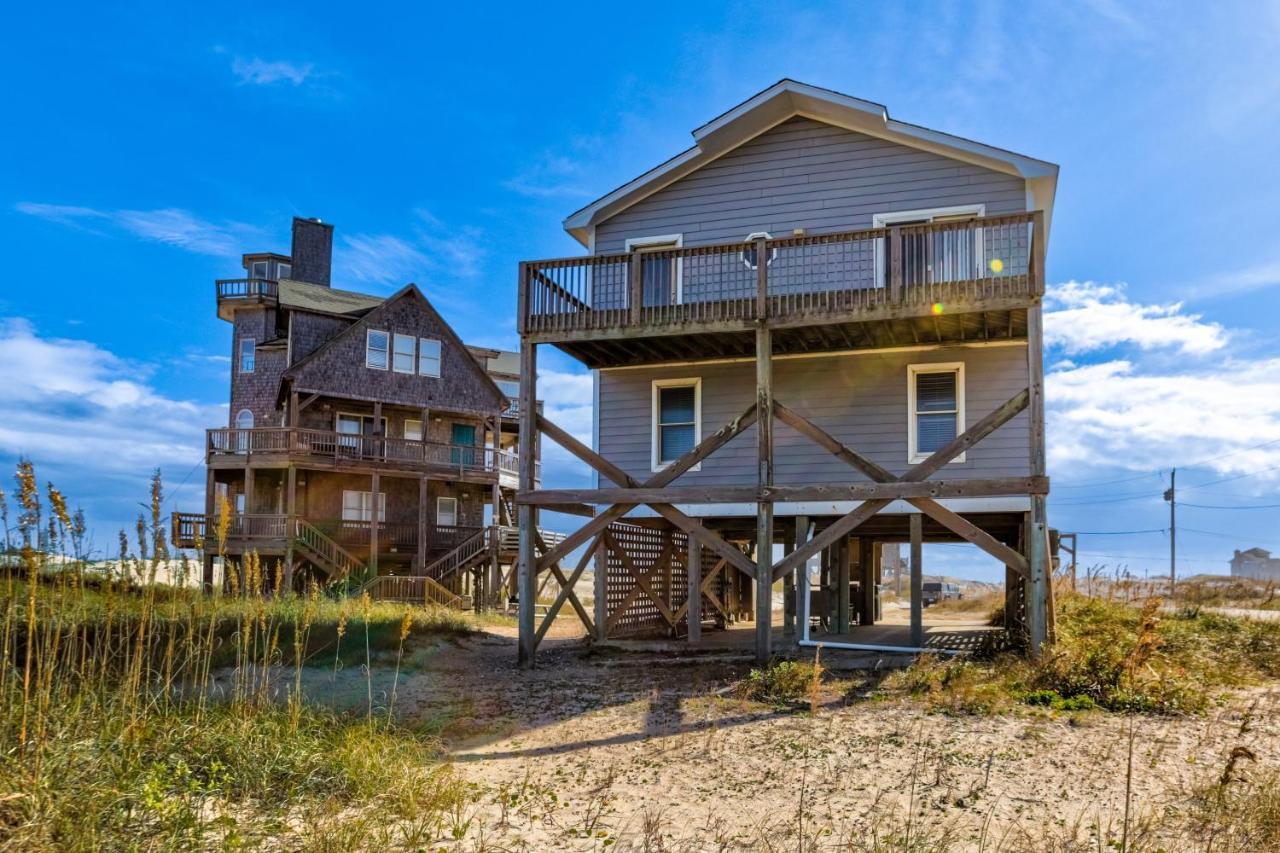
402 355
284 270
677 419
358 506
938 256
413 429
749 253
935 395
244 419
661 272
447 512
376 345
258 269
428 357
248 354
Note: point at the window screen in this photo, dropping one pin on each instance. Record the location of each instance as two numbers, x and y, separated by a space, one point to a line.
936 410
677 422
376 345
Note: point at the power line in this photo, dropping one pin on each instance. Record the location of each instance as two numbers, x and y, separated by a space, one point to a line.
1120 532
1217 506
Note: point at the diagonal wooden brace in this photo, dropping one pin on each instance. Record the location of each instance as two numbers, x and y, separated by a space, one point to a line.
567 593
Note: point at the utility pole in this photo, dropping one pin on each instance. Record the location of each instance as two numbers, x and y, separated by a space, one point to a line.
1171 495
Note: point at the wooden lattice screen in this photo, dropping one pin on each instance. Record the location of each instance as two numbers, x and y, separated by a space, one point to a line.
660 557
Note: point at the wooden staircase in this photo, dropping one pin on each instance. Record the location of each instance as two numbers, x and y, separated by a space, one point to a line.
413 589
472 550
323 551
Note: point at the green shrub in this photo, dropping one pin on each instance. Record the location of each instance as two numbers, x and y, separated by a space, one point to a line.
782 682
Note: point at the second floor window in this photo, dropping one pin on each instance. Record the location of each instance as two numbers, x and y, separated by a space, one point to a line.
447 512
936 402
248 353
677 419
376 345
358 506
402 358
428 357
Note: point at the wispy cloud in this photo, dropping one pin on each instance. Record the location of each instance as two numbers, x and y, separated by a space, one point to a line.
1088 317
552 176
430 249
1235 282
262 72
171 226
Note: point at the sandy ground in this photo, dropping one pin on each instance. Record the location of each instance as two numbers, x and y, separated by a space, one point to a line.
634 750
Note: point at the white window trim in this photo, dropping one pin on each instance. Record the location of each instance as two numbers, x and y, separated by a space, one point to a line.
405 429
654 439
413 353
440 500
913 370
248 412
266 268
360 417
253 343
280 271
659 242
439 358
751 238
367 334
884 220
380 511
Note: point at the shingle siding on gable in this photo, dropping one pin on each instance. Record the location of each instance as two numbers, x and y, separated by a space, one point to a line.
340 369
806 174
308 332
256 391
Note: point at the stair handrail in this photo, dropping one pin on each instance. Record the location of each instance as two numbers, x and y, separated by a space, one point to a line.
464 551
432 590
315 540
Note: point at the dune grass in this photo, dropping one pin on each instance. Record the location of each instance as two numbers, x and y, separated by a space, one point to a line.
1109 654
135 715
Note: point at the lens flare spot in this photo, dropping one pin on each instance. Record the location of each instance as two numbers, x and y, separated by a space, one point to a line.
997 265
937 308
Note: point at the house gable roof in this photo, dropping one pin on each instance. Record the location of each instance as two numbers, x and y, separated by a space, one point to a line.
787 99
299 372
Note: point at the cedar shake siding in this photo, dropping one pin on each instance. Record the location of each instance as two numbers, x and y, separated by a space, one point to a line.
338 368
308 332
860 399
806 174
256 391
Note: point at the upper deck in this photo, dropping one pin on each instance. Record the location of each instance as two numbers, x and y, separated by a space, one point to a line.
940 282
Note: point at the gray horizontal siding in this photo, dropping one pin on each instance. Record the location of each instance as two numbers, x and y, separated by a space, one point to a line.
860 399
806 174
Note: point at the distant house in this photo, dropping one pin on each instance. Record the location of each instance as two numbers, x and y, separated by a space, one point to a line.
1256 563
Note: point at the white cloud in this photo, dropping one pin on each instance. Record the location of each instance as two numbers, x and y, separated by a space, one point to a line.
75 404
1115 414
171 226
1090 317
261 72
553 176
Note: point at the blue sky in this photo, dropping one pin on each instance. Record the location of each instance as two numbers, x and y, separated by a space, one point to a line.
149 146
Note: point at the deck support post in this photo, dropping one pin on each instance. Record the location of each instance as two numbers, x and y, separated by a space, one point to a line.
789 586
290 512
600 589
693 568
375 519
422 523
495 537
1036 544
764 478
840 562
869 571
527 565
797 588
206 568
916 522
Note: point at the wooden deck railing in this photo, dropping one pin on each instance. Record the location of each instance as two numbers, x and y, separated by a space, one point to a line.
413 589
911 268
342 447
247 288
194 530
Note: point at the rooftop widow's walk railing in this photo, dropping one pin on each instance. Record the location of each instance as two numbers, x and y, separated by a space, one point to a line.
247 288
909 265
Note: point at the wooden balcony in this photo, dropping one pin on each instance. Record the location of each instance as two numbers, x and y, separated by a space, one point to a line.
269 531
245 291
328 448
904 285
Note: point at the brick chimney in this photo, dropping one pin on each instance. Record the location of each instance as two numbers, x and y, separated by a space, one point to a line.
312 252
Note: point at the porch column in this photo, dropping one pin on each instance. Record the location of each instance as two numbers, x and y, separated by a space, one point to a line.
375 484
422 523
495 569
764 477
789 587
917 579
527 567
600 587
